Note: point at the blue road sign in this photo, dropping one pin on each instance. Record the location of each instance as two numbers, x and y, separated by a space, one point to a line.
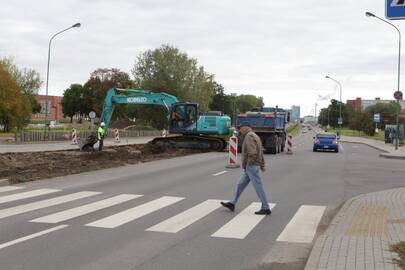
395 9
377 118
398 94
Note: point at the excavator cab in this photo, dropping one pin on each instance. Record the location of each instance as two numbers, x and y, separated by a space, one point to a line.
183 118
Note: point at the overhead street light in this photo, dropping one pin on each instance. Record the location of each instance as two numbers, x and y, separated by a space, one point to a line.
340 104
47 69
369 14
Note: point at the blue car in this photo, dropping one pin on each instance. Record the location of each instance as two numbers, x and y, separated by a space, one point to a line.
326 141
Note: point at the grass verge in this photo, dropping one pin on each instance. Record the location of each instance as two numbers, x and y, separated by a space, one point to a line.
400 250
293 130
354 133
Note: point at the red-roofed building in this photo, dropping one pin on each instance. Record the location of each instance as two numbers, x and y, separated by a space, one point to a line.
54 108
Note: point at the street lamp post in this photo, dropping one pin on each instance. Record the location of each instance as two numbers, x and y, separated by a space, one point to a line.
369 14
340 104
47 69
234 95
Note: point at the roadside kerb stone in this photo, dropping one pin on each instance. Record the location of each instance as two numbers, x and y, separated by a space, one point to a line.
387 149
361 233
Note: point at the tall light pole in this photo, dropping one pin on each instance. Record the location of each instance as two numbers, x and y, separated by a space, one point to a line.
340 104
369 14
234 95
325 98
47 69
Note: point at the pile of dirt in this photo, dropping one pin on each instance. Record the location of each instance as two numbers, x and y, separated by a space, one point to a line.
30 166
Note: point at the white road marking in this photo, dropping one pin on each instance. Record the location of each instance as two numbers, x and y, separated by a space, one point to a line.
241 225
131 214
85 209
10 188
26 195
216 174
31 236
341 147
186 218
302 227
45 203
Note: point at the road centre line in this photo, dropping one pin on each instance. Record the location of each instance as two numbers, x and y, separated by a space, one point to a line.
26 195
20 209
10 188
241 225
31 236
132 214
216 174
186 218
302 227
85 209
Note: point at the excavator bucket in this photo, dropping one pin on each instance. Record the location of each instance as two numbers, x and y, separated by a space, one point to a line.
87 144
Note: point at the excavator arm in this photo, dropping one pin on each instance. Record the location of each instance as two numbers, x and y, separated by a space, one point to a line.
137 97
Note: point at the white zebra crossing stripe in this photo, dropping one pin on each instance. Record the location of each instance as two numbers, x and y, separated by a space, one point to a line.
26 195
10 188
20 209
241 225
85 209
302 227
186 218
31 236
131 214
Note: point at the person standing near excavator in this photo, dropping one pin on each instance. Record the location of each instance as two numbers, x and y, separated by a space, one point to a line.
100 136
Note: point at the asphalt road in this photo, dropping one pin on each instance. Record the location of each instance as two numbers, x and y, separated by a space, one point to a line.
116 236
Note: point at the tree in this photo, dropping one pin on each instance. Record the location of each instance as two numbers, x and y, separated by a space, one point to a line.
28 80
167 69
362 121
245 103
387 112
100 81
15 109
71 101
334 114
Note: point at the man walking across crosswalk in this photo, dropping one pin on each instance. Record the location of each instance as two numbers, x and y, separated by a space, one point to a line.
252 163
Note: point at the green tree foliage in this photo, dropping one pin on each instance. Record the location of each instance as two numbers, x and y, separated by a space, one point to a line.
167 69
221 101
387 112
333 111
28 80
15 109
245 103
72 101
362 121
100 81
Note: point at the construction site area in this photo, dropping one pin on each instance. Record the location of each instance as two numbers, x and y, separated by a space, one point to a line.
31 166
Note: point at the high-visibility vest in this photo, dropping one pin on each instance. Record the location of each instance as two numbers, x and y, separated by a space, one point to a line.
101 133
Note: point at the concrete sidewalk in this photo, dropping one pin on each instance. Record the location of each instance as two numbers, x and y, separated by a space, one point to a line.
55 146
387 149
361 233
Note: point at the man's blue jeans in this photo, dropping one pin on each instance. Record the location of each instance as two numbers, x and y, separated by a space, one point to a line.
252 173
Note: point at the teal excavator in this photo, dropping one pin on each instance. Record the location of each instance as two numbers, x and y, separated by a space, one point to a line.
192 128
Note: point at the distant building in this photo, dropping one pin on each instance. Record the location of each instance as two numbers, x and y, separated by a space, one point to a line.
54 108
310 119
361 104
295 113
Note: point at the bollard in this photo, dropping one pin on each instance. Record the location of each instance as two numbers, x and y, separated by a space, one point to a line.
233 153
74 136
117 136
289 145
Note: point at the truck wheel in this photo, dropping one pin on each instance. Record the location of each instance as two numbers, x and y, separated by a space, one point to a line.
271 150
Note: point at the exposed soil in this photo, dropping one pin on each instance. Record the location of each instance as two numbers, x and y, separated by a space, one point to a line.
30 166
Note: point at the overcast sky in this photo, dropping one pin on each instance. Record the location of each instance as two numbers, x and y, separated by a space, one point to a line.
280 50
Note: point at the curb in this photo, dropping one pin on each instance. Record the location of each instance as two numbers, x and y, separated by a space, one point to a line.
363 143
385 155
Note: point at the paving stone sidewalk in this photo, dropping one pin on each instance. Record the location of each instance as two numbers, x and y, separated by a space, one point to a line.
387 149
361 233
